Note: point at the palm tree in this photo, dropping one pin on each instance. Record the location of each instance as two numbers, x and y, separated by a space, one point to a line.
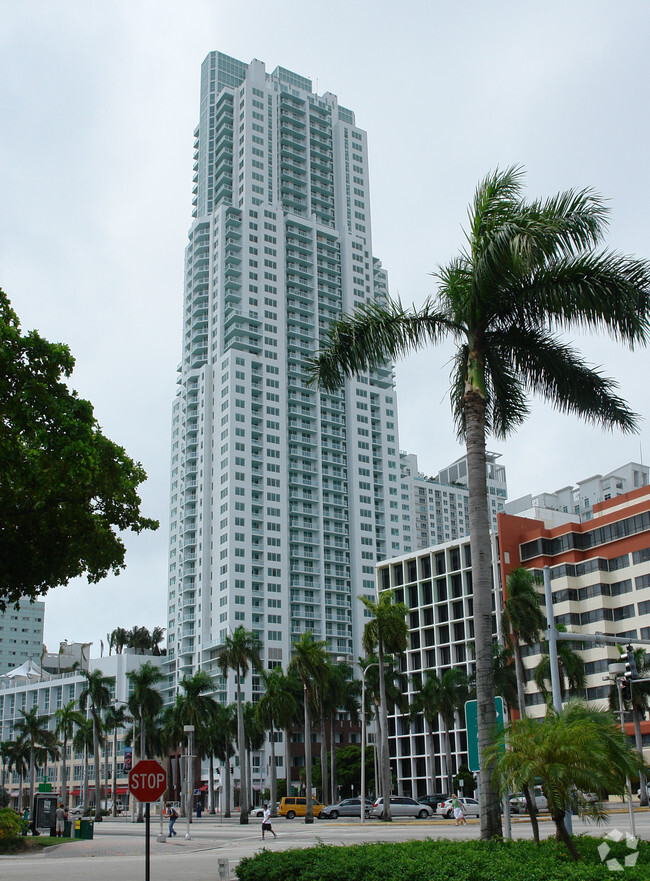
571 667
17 754
443 696
66 719
309 657
386 632
395 686
197 707
97 695
33 730
572 753
157 636
505 678
255 735
144 703
529 271
523 619
223 733
82 742
238 652
343 693
116 718
275 709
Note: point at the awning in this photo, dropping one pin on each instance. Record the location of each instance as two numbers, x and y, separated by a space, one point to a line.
203 788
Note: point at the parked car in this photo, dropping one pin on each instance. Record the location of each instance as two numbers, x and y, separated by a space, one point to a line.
433 800
470 806
402 806
349 807
76 811
296 806
257 812
518 802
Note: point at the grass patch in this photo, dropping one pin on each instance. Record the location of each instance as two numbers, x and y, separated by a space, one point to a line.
444 860
30 843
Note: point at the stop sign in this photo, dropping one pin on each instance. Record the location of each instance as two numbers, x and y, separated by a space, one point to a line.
148 780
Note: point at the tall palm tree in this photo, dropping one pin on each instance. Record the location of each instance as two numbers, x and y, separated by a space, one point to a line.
66 719
571 667
275 709
83 742
196 707
145 702
523 620
255 735
575 752
96 694
17 753
343 693
33 730
240 651
309 657
505 678
442 696
529 271
395 685
386 632
116 718
223 734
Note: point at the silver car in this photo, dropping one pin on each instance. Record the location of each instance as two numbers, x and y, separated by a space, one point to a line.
349 807
402 806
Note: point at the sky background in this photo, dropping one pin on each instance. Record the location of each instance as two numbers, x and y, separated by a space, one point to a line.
98 104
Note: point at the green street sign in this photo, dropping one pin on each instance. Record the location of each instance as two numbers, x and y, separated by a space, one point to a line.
471 718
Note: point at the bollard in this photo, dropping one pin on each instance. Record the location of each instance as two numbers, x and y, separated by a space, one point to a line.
223 869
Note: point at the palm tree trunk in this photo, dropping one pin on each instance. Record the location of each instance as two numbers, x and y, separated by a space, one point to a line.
287 760
32 777
520 676
309 805
84 796
211 785
323 757
638 741
333 780
431 762
274 779
98 777
448 767
561 834
241 745
226 788
64 772
376 757
385 757
143 746
114 808
490 815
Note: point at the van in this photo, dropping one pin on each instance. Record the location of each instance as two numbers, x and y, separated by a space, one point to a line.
296 806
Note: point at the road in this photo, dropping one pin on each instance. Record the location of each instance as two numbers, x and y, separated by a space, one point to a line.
117 851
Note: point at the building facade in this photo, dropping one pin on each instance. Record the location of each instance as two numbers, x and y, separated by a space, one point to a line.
21 635
283 496
600 579
439 506
30 686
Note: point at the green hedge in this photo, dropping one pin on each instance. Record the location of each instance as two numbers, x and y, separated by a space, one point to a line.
11 826
443 860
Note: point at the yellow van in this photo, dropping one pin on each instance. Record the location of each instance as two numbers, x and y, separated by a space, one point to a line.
296 806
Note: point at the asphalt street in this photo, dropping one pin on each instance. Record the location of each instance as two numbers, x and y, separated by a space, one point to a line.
117 851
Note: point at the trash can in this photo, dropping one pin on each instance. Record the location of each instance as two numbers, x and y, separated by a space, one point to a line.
68 829
198 811
87 827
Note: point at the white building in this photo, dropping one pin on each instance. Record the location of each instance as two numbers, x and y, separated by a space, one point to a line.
21 634
283 497
29 685
439 506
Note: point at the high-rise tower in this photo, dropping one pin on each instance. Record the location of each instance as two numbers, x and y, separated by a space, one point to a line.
282 496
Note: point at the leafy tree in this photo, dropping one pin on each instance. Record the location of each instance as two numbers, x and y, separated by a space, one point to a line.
309 657
572 753
33 730
97 695
529 271
442 696
239 651
67 491
275 709
66 719
386 632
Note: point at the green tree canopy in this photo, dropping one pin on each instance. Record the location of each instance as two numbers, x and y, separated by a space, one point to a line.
67 490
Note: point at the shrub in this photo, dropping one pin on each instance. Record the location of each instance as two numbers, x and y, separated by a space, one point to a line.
445 861
11 825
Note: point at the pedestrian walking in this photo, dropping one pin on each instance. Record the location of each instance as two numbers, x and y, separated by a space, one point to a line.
266 822
173 816
59 820
459 811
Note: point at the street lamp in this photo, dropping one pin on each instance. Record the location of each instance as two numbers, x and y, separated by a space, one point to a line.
618 671
188 730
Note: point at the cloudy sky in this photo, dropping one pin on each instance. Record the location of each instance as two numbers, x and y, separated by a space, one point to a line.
98 103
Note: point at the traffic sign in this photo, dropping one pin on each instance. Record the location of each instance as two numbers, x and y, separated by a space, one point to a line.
471 708
148 780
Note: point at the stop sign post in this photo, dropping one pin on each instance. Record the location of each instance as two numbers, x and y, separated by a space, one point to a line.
147 783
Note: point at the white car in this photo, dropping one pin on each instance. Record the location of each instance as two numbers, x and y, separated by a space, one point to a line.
470 806
401 806
518 802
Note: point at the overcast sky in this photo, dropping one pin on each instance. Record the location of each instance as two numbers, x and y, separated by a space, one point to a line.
98 103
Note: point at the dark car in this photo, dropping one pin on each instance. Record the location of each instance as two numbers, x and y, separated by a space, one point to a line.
434 800
349 807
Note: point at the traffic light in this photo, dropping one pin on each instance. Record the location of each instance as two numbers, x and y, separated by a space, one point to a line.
631 671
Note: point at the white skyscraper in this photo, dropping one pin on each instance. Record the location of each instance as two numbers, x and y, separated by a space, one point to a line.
282 496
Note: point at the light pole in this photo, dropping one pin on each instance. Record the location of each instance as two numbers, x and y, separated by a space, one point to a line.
188 730
364 670
618 671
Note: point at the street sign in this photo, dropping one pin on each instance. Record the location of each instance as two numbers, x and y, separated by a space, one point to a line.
472 730
148 780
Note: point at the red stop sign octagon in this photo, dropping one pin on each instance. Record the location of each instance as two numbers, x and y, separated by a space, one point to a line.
148 780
